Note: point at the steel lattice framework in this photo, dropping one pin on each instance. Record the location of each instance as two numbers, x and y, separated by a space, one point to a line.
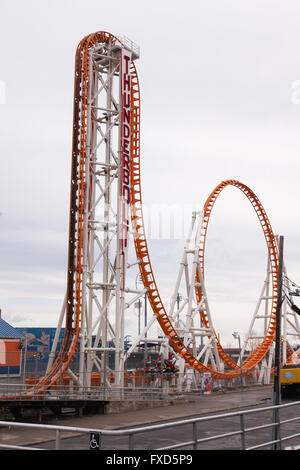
102 160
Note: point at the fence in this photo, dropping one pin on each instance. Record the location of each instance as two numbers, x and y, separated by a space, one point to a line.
15 392
138 384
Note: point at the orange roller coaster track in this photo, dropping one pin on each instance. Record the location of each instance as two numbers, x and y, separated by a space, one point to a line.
259 353
79 184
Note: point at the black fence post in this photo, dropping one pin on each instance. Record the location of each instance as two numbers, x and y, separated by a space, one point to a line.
276 388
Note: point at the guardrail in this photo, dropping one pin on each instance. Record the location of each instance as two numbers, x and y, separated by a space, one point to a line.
194 442
137 384
61 392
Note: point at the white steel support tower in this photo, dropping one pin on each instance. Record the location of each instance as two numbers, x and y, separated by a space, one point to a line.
107 210
106 213
258 328
290 327
186 318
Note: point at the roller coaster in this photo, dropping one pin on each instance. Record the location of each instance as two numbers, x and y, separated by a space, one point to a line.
106 213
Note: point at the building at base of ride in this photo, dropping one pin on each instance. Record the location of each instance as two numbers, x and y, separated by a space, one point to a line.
37 346
10 350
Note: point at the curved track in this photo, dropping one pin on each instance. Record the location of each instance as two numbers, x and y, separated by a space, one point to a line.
75 256
271 242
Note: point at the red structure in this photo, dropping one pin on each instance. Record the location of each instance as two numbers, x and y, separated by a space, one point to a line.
10 349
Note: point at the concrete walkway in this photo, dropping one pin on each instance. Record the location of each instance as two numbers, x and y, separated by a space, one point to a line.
188 406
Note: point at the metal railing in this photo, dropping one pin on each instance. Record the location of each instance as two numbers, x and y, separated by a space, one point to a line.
15 392
130 44
136 383
194 442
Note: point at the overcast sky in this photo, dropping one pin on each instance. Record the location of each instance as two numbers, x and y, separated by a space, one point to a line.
219 87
